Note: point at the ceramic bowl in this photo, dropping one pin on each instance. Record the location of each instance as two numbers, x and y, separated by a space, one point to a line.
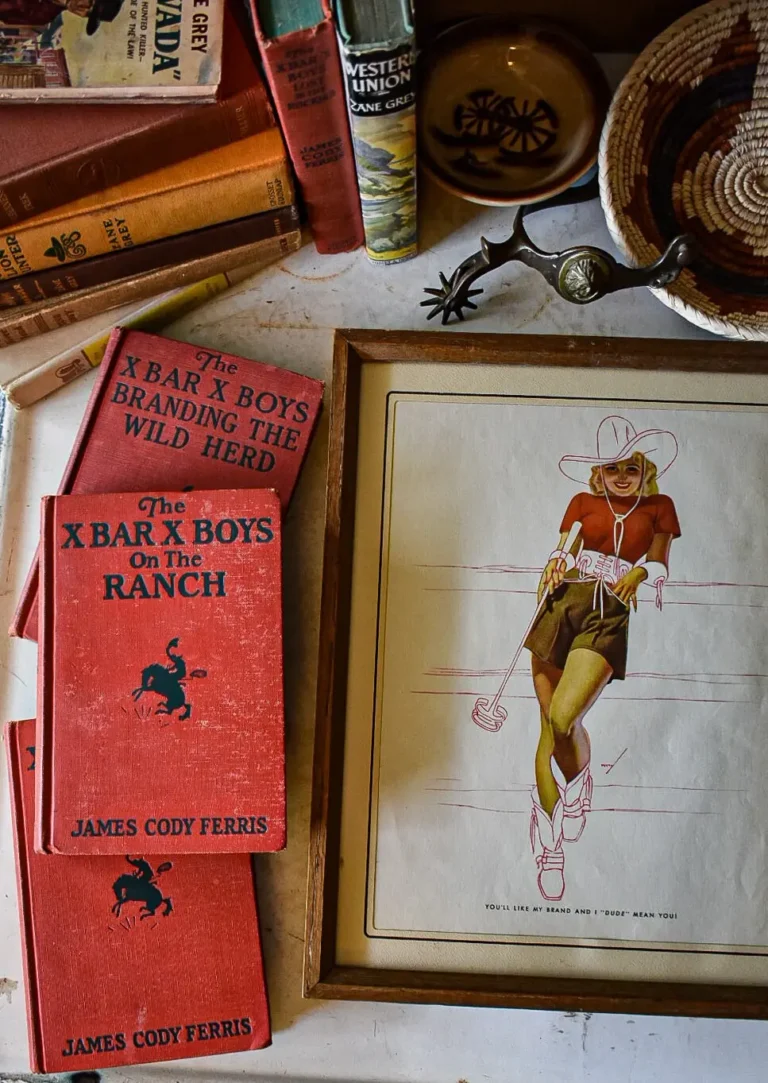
509 112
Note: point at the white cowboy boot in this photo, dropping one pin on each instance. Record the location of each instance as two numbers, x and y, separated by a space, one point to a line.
551 860
576 797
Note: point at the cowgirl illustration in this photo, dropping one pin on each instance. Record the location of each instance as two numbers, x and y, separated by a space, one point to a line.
614 538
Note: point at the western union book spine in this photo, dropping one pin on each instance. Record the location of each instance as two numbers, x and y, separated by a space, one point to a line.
378 58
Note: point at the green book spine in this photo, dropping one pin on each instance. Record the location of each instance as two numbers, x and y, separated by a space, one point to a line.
381 98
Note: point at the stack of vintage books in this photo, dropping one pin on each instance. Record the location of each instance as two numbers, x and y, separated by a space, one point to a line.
135 190
355 160
142 168
156 765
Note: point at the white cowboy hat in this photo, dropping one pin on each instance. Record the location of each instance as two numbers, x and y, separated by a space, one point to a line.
618 439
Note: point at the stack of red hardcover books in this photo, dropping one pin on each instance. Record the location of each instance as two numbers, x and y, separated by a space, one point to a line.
156 764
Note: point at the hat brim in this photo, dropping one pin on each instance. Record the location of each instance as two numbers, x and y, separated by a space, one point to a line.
658 445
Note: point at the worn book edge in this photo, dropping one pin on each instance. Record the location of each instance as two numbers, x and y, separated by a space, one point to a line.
52 313
164 253
45 692
276 52
13 756
31 586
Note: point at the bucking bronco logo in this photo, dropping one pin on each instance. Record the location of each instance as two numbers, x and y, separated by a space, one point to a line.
141 886
168 681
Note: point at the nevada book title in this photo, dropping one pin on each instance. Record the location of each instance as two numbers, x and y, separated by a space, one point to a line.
109 43
166 35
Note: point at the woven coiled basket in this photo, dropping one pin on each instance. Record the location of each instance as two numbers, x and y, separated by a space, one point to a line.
685 150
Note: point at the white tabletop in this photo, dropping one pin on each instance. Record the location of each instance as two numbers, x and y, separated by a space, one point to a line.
286 316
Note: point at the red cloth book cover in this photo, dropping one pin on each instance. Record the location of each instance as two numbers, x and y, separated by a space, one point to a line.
130 959
167 415
52 156
160 674
303 70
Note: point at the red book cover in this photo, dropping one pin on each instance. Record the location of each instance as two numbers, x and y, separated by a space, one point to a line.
160 674
304 74
52 156
167 415
130 959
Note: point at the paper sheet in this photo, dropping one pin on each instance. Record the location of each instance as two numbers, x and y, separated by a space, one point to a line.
673 850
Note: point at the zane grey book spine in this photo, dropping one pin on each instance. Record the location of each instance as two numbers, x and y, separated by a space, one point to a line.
379 77
244 178
104 149
304 75
170 251
132 959
251 425
180 746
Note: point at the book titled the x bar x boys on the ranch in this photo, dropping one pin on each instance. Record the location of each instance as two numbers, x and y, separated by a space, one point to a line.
160 674
167 415
133 958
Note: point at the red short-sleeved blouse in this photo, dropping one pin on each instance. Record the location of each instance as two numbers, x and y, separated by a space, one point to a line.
653 515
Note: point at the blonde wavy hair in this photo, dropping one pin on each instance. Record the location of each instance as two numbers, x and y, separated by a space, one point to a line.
650 486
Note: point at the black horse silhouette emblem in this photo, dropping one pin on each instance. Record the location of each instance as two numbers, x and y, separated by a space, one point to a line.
141 886
168 681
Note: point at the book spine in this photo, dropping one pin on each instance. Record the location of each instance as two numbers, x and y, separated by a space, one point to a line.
56 372
304 74
50 315
128 262
24 624
109 95
150 216
24 621
91 169
381 98
14 759
43 766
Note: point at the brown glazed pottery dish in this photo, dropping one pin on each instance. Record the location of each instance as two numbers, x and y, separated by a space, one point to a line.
510 112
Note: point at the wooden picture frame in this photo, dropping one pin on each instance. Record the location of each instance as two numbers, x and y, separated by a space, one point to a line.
324 978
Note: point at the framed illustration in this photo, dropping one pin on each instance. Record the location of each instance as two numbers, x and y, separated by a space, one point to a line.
542 714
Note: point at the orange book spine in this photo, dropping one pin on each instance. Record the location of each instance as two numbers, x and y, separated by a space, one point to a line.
244 178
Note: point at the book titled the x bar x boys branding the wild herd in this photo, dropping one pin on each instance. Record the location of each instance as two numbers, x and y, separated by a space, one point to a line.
160 679
133 958
156 765
165 415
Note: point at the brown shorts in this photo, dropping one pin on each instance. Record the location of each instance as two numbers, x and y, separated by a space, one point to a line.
571 619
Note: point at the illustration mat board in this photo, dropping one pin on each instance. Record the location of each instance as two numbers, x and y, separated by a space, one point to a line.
465 536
